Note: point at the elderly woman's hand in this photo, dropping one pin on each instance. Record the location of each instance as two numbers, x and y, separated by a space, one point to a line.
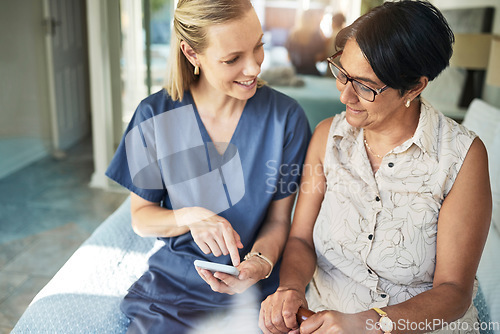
331 322
278 313
334 322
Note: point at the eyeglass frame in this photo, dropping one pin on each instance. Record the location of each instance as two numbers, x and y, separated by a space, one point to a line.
351 79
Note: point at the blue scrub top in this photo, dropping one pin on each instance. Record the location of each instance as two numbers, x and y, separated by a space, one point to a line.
261 164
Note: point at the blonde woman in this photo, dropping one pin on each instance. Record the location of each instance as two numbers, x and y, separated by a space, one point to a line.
212 163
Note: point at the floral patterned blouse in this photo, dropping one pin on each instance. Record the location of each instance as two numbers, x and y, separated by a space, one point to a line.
375 234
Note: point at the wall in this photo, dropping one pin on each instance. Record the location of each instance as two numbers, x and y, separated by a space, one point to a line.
453 4
24 105
490 94
113 10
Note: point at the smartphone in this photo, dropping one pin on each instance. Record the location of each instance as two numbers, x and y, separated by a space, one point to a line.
213 267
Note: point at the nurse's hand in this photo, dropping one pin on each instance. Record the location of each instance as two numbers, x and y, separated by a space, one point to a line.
212 233
251 271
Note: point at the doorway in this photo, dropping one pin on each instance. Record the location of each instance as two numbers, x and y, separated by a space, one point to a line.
24 106
67 70
39 97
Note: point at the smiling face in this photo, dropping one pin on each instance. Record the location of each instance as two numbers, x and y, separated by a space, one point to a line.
231 62
376 115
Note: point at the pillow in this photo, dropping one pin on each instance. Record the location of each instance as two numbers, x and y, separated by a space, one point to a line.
494 164
484 120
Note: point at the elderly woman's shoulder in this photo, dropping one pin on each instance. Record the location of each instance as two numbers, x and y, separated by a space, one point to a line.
319 140
452 131
323 129
325 125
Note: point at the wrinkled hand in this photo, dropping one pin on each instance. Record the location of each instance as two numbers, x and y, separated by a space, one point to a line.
332 322
278 313
212 233
251 271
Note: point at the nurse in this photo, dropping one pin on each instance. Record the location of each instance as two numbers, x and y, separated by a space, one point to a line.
213 163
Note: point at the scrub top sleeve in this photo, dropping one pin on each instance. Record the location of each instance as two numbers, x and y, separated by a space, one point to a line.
297 137
134 165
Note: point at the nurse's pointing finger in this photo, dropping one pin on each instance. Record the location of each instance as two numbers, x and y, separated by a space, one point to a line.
232 240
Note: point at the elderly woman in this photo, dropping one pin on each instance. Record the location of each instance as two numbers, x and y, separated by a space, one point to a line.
212 163
395 203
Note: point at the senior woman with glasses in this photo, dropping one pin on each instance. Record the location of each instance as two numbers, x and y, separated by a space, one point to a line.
395 203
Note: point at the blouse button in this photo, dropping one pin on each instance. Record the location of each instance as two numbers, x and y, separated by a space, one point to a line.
383 295
370 237
377 199
390 165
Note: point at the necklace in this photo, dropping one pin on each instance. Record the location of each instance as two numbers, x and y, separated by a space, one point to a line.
370 149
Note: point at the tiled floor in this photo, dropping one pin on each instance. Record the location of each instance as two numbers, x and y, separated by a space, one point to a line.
46 211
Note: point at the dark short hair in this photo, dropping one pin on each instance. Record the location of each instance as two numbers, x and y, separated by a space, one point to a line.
402 41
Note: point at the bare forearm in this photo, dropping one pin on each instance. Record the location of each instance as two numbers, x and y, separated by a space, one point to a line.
443 304
155 221
424 313
271 240
298 265
274 232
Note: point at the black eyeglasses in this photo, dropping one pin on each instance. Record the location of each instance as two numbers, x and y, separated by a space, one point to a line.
362 90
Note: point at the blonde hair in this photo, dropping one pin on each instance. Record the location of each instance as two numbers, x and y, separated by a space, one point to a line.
191 20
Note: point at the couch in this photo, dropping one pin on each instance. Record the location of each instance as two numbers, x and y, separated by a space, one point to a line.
84 296
319 97
484 119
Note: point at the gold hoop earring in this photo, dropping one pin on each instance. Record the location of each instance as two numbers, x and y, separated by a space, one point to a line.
196 70
407 104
